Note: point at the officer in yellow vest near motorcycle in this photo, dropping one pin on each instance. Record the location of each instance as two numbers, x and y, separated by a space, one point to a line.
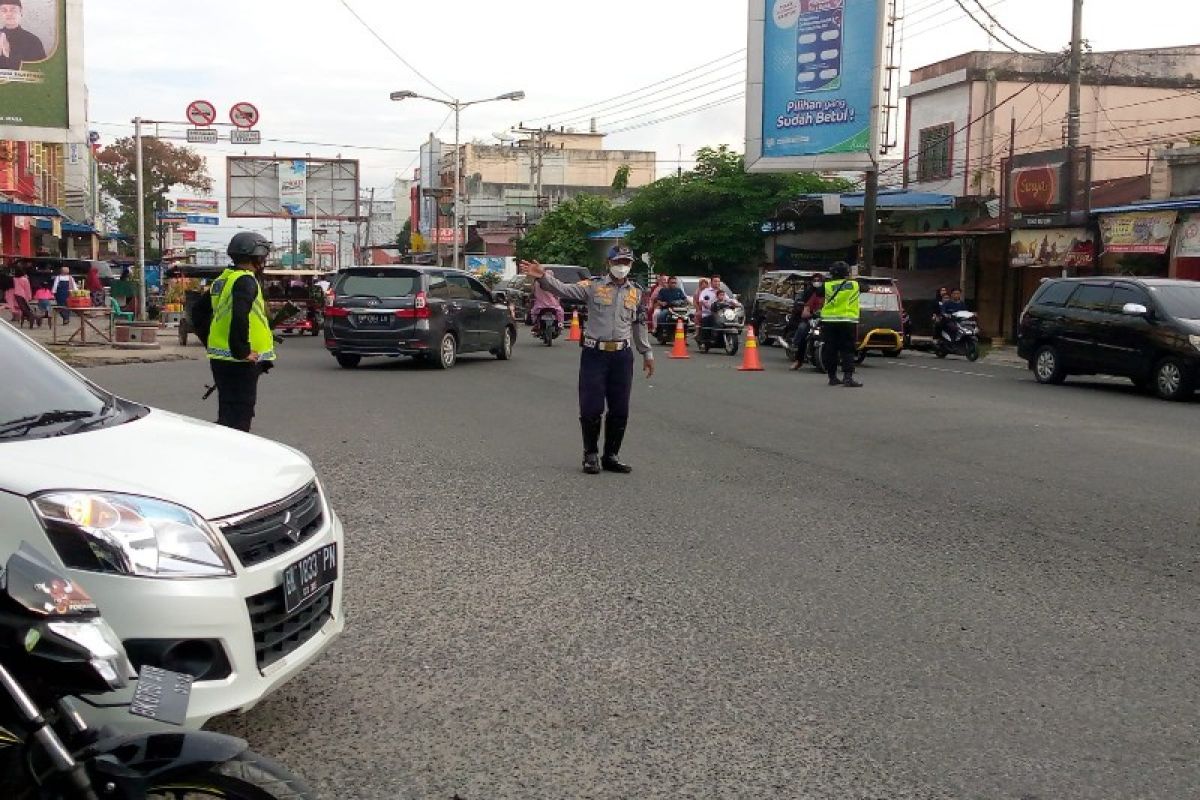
239 340
839 324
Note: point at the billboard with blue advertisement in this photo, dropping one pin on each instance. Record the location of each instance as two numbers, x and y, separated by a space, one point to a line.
813 86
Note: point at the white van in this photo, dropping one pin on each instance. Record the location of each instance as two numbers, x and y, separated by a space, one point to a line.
210 551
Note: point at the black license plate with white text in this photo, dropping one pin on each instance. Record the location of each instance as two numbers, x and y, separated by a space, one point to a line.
304 578
162 695
372 319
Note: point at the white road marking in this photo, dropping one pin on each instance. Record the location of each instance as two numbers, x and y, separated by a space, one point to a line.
940 369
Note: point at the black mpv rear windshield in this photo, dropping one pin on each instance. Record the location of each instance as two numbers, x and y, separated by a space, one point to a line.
378 283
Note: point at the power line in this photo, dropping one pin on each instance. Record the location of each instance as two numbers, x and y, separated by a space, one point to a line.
600 113
675 104
391 49
982 26
1000 25
641 89
705 107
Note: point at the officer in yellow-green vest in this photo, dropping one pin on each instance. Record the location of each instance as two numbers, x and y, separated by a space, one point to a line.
839 324
239 340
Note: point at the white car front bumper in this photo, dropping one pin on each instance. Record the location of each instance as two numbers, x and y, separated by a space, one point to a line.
244 615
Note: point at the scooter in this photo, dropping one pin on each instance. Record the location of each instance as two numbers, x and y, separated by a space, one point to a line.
668 318
722 327
55 646
813 346
963 343
547 327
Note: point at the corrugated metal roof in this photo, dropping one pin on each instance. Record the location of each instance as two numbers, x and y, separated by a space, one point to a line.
619 232
1174 204
26 210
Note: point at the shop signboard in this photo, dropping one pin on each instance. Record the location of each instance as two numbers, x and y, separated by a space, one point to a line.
197 206
1052 247
1137 231
1048 189
41 72
813 84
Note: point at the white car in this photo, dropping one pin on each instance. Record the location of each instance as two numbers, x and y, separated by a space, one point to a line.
210 551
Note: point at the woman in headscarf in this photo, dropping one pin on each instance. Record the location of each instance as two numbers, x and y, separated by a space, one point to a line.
95 287
698 306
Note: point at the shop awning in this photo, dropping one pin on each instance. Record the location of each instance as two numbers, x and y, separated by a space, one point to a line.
26 210
67 227
619 232
1174 204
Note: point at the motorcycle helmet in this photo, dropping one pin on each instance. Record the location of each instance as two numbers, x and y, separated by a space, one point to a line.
840 270
249 246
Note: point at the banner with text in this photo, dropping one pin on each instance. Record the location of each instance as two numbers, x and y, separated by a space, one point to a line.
1053 247
1137 231
813 86
191 206
1187 240
293 186
33 64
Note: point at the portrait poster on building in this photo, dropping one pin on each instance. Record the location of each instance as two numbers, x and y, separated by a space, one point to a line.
293 186
34 64
1187 236
813 83
1052 247
1137 231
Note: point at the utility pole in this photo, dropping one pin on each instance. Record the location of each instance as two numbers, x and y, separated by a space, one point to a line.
1074 71
141 219
869 218
538 138
370 210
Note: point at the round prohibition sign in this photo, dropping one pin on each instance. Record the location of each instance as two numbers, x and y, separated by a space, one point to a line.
201 113
244 115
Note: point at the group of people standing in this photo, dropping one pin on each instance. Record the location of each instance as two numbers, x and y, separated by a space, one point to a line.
41 295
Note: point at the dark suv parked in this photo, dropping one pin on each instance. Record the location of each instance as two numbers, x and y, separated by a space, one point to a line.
774 300
430 312
1147 330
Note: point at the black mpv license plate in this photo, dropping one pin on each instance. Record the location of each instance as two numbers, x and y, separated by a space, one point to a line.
309 575
373 319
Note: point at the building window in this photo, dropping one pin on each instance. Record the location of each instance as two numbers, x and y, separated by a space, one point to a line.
935 152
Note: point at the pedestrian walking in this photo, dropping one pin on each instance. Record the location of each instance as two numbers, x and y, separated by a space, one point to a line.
62 287
616 324
95 287
234 327
839 324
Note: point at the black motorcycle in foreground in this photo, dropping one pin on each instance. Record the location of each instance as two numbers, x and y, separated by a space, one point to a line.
961 342
722 327
55 646
546 327
667 319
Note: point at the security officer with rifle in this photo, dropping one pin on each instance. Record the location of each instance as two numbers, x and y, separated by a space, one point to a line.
616 323
234 327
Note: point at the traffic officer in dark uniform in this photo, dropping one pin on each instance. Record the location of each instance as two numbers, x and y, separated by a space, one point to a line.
616 323
236 331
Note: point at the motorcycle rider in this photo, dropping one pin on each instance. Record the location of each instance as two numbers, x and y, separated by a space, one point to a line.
670 295
660 283
545 301
808 305
948 309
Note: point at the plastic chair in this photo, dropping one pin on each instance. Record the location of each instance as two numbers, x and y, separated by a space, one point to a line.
26 314
117 314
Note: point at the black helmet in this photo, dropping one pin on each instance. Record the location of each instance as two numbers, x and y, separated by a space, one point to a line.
840 270
248 245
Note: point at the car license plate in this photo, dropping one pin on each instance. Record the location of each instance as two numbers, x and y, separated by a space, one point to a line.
162 695
373 319
309 575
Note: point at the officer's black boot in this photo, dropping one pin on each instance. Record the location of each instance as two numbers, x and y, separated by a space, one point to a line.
614 432
591 444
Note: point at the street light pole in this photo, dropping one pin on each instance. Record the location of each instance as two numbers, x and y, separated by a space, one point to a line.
141 219
457 182
457 106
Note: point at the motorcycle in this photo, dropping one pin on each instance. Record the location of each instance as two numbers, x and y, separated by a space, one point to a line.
964 342
722 328
667 320
54 647
813 347
546 327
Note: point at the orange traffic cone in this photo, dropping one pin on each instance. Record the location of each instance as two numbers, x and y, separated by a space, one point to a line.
750 362
576 334
680 348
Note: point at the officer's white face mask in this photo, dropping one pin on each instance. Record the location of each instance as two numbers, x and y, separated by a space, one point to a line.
619 271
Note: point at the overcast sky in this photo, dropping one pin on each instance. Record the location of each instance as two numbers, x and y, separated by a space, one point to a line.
318 75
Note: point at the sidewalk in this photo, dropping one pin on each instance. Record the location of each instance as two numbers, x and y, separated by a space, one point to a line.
102 356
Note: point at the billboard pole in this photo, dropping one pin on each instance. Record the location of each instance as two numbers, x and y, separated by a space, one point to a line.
457 181
141 219
295 244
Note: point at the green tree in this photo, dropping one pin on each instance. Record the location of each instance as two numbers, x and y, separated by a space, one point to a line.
404 238
561 236
709 220
620 181
164 166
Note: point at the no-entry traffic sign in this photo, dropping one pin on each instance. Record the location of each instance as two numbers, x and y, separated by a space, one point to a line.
243 115
201 112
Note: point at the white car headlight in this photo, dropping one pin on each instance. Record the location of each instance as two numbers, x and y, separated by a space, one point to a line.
131 535
1195 340
108 654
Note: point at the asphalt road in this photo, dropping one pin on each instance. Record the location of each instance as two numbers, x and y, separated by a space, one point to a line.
952 583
